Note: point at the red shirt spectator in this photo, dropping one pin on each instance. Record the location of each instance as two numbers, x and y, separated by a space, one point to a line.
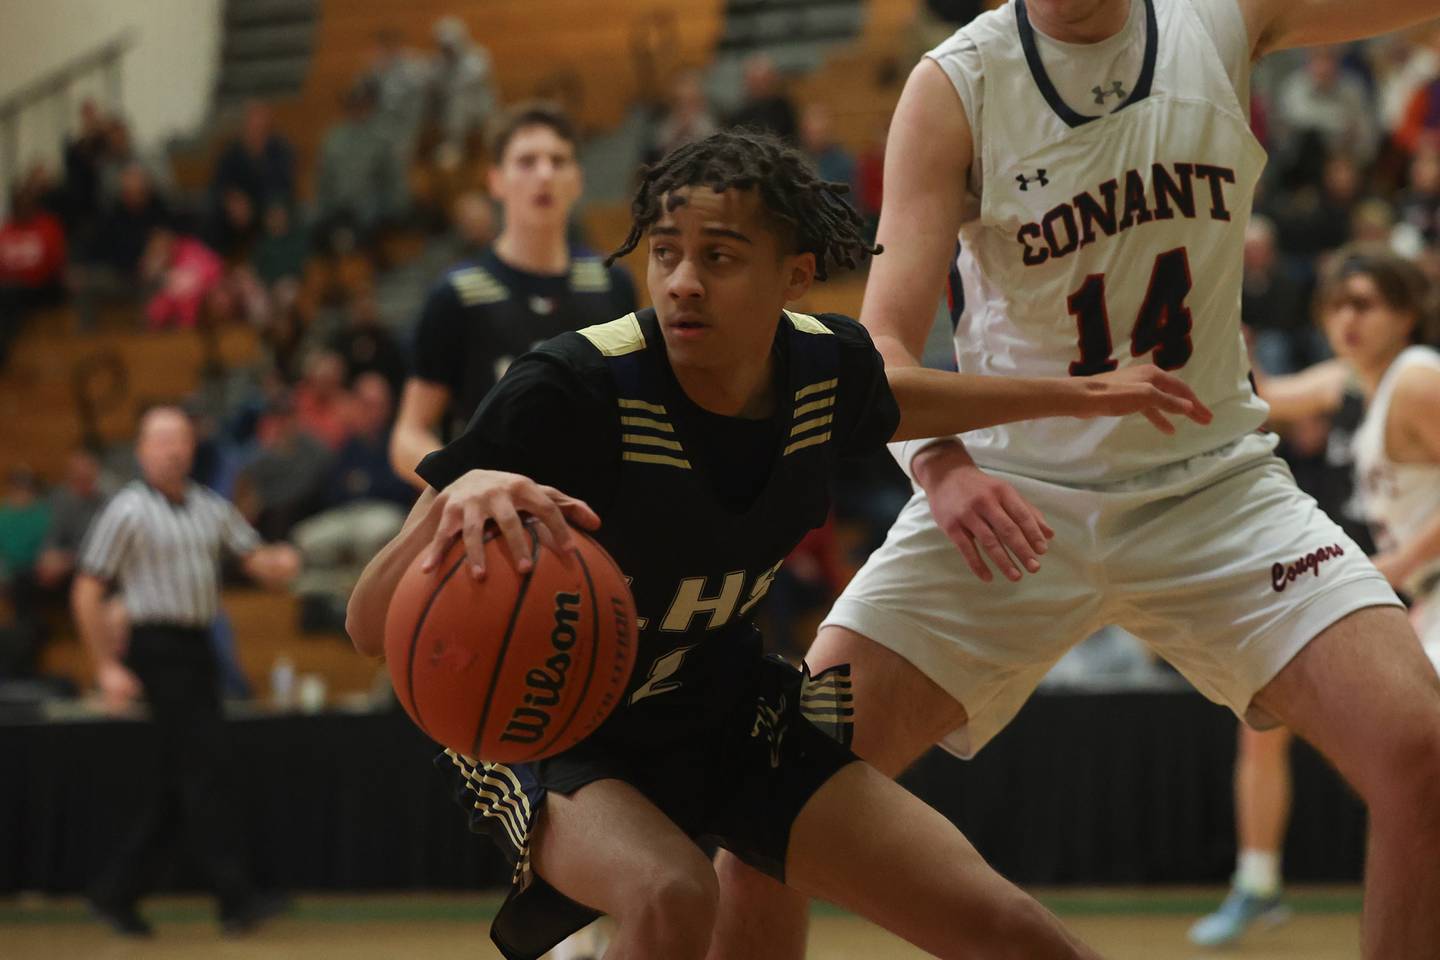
32 250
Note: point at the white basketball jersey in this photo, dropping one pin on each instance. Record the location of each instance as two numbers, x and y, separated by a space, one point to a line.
1399 498
1107 241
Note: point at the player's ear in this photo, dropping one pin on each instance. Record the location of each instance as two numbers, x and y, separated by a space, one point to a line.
494 181
800 274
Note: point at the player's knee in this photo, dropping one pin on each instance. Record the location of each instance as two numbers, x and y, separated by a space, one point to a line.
1024 930
675 914
1409 787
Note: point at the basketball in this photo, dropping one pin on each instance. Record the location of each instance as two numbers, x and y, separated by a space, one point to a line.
512 667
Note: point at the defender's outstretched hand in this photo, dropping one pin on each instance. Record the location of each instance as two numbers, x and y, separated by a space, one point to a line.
1145 390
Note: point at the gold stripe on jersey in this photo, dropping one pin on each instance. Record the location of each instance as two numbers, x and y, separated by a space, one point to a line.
645 423
645 440
659 459
814 388
805 426
589 276
629 404
478 287
807 324
807 442
616 338
814 405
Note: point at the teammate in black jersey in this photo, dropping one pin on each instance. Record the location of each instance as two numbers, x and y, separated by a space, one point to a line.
705 433
529 286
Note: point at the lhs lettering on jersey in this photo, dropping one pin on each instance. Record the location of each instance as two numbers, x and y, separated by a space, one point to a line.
1117 205
694 597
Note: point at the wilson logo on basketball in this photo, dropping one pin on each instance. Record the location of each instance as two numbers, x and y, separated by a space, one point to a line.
1284 574
527 724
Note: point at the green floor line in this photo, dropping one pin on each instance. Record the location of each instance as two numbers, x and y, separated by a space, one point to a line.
482 908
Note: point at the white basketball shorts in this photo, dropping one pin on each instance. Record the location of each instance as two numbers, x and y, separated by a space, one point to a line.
1219 562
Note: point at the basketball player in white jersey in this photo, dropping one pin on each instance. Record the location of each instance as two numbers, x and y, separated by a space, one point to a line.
1094 159
1374 308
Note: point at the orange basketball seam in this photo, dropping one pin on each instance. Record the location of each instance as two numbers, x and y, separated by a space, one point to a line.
499 667
415 644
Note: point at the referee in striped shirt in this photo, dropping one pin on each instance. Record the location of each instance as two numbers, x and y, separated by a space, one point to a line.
160 539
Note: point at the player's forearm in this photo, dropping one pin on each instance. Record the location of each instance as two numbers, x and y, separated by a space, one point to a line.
87 596
370 600
409 445
1282 24
937 403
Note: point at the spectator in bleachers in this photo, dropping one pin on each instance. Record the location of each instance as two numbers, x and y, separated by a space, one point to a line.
1372 222
322 404
120 153
367 346
817 138
32 259
463 90
402 77
1418 206
282 335
1313 220
285 481
365 504
84 153
1405 63
24 519
72 507
111 270
766 106
1324 98
358 179
685 118
187 276
283 247
472 227
1272 305
256 170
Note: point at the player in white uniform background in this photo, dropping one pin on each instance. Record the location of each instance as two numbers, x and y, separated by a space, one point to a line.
1376 309
1095 161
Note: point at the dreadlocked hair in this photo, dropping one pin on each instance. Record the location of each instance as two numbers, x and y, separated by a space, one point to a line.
812 210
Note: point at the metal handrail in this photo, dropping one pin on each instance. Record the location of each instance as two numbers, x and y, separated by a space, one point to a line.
61 77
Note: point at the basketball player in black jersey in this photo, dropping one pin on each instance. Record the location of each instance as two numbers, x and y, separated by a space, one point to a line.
706 432
530 285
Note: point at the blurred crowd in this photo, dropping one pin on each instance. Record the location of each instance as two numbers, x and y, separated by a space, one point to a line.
300 441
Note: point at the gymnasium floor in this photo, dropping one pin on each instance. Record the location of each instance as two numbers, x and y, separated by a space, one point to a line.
1121 924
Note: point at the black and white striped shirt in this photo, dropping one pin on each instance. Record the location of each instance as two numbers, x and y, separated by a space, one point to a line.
164 554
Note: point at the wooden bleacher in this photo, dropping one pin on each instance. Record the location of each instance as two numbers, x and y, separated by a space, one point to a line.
536 47
532 43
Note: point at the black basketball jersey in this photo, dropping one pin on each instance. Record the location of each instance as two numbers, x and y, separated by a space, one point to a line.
483 315
699 559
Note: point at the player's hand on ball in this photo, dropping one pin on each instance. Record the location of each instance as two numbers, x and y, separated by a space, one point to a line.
982 515
118 686
485 496
1146 390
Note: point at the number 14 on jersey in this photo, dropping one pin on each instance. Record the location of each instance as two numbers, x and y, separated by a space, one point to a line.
1162 325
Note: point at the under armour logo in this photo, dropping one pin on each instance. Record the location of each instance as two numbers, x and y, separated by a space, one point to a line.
1116 90
1025 181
